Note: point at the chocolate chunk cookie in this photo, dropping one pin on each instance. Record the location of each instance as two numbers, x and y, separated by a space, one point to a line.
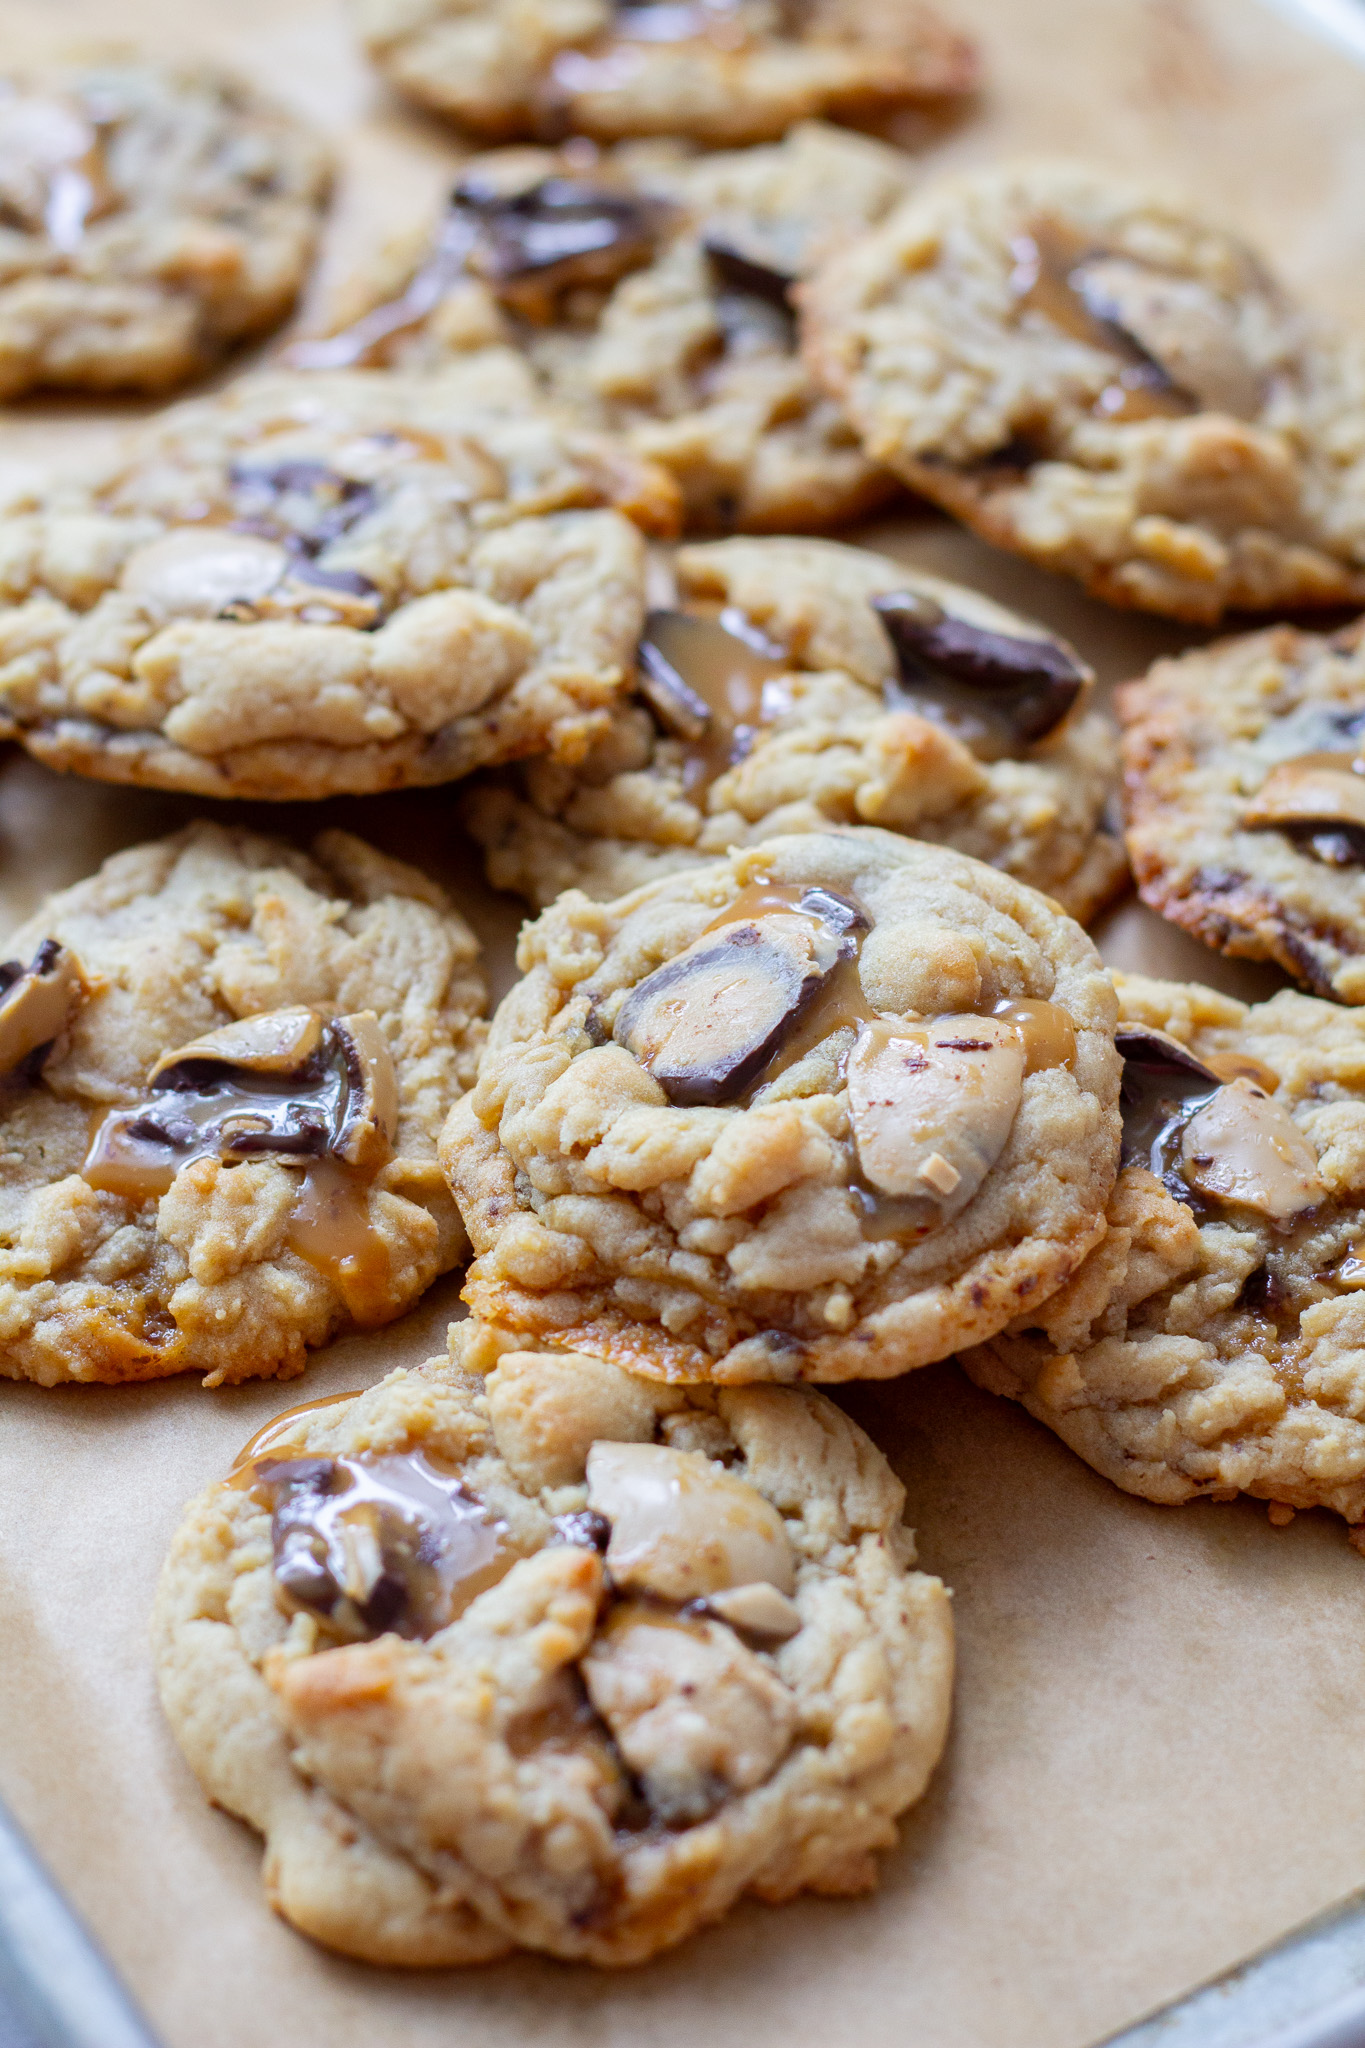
1244 771
317 584
815 1111
648 291
1214 1342
564 1661
225 1068
797 684
720 71
1090 374
149 219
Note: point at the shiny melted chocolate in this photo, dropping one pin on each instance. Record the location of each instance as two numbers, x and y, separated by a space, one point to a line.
208 1109
378 1543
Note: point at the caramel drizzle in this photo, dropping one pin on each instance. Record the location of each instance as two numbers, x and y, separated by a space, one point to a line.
242 1474
1046 260
730 672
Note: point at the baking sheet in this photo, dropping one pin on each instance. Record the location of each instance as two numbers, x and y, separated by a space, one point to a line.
1157 1760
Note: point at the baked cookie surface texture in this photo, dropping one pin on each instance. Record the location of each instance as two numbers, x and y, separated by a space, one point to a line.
812 684
1214 1342
722 72
647 290
815 1111
149 220
226 1065
563 1661
1089 374
1244 775
316 584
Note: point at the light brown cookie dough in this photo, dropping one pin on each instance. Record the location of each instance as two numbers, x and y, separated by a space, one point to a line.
1090 374
814 1111
646 290
1244 783
149 219
315 584
722 72
392 1642
821 710
1214 1342
225 1068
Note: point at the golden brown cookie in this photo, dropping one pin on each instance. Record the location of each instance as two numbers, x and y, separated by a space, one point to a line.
1214 1342
719 71
1244 787
564 1661
149 220
317 584
798 684
225 1068
1089 373
826 1109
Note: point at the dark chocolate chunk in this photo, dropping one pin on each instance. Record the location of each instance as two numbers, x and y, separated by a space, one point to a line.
1163 1085
738 271
558 221
1029 683
305 504
372 1543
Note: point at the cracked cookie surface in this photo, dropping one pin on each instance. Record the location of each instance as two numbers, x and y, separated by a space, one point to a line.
814 1111
817 718
459 1735
1089 374
315 584
722 72
1214 1342
1245 801
149 220
646 290
226 1068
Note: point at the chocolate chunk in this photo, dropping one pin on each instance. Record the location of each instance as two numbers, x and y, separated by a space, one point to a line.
282 1083
702 680
376 1543
560 221
37 1003
1164 1084
739 271
706 1024
1029 684
306 504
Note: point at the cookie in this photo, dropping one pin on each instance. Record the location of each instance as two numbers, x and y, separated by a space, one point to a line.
149 220
1088 373
1214 1342
563 1661
647 290
1244 773
811 684
226 1066
318 584
815 1111
722 72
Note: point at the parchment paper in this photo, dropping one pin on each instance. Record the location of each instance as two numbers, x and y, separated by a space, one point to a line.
1158 1761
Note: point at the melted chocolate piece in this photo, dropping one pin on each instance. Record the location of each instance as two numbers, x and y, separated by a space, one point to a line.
1164 1085
377 1543
324 1104
1341 846
302 503
738 272
559 221
707 1024
1026 685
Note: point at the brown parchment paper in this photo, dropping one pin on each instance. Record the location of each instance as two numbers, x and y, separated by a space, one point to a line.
1158 1761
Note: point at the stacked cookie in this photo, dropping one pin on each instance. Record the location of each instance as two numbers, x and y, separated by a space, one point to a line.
607 1616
